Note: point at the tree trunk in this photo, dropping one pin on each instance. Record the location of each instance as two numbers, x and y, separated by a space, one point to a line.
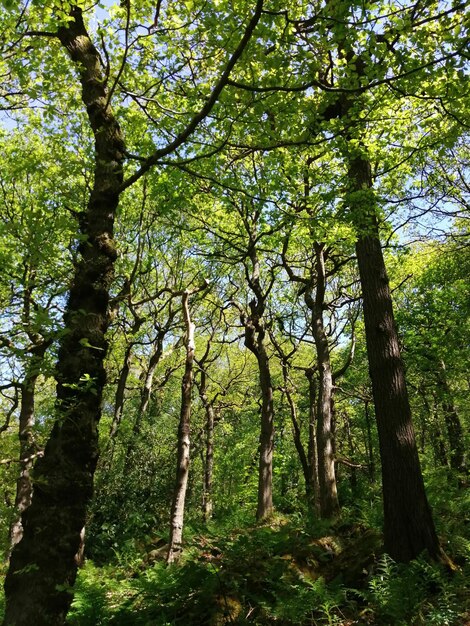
182 469
312 441
42 565
24 486
147 388
207 505
329 505
351 452
266 439
120 393
452 422
299 446
370 445
145 393
408 523
254 341
208 459
296 434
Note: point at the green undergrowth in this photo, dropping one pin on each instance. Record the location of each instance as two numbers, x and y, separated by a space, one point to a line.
275 573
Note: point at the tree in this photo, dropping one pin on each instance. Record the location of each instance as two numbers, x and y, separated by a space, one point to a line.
360 87
432 314
182 470
42 566
408 524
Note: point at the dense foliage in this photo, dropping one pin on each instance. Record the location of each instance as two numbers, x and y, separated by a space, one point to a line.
203 206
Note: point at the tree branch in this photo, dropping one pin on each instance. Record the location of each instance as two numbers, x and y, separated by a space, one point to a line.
206 109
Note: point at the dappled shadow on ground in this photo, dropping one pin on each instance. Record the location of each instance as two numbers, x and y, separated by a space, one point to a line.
274 573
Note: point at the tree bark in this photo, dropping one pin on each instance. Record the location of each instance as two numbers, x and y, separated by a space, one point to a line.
312 441
148 382
24 486
329 505
323 476
453 424
351 452
145 394
255 334
254 341
408 524
182 468
266 439
370 445
296 434
209 448
42 565
207 504
120 393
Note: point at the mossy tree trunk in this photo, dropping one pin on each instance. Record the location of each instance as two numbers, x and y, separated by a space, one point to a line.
42 565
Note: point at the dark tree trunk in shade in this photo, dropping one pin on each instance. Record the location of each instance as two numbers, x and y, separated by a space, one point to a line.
120 393
351 451
42 565
297 437
408 524
453 424
182 463
370 444
208 457
208 464
312 440
266 440
434 430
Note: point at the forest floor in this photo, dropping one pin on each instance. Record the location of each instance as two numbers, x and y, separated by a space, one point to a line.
274 573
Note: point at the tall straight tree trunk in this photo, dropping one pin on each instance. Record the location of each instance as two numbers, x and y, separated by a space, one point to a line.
42 565
182 468
323 474
408 524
